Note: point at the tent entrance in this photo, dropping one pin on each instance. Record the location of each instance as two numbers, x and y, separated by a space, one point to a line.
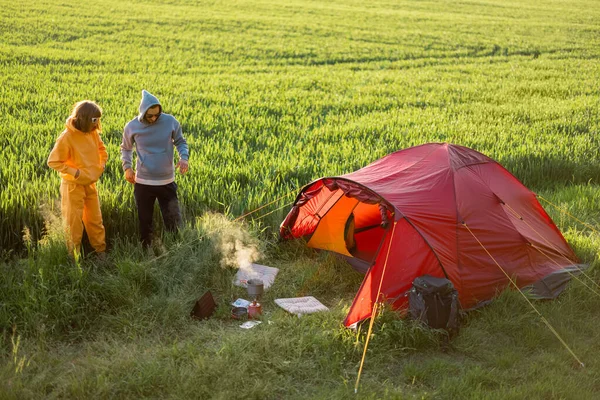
350 228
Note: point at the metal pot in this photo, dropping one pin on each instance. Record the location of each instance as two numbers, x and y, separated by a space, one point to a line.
239 313
255 288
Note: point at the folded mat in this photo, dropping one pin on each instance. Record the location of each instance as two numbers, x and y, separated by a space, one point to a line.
301 305
255 271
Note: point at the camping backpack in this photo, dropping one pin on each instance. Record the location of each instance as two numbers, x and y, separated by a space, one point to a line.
434 301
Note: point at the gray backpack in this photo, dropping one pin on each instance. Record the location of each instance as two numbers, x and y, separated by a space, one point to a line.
434 301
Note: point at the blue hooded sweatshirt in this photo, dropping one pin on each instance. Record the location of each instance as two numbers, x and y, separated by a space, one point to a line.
154 144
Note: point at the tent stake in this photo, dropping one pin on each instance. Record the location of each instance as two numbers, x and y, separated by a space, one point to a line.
374 311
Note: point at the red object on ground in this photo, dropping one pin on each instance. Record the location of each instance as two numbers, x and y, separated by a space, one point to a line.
254 310
432 193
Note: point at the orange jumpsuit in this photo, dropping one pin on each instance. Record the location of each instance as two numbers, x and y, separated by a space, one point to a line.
75 150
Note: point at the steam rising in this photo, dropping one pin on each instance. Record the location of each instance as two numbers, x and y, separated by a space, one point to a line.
237 247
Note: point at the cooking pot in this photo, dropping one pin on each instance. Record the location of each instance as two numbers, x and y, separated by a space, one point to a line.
239 313
255 288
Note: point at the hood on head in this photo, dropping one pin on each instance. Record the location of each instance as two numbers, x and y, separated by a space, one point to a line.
148 100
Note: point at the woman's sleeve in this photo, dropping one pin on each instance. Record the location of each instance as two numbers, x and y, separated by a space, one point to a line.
102 151
59 156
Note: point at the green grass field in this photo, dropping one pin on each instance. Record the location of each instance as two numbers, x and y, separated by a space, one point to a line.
272 95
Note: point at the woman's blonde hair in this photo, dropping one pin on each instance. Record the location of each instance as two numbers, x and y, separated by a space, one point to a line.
82 115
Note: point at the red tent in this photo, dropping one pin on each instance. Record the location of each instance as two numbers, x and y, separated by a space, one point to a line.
430 207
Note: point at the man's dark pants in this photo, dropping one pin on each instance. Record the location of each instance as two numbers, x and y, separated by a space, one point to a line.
145 197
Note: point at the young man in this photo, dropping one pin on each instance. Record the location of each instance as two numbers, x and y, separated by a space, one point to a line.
154 134
79 155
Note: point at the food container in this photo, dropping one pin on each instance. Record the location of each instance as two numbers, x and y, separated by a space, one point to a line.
239 313
254 310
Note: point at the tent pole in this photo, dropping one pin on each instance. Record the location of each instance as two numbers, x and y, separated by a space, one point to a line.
374 311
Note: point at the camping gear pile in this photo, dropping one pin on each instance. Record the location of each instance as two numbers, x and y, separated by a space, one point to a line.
256 279
255 291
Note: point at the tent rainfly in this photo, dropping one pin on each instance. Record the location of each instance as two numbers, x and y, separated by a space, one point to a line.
437 209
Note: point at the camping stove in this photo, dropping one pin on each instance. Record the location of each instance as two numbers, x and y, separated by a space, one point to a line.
255 291
254 310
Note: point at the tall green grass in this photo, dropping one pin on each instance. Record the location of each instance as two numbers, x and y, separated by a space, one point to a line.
272 96
133 336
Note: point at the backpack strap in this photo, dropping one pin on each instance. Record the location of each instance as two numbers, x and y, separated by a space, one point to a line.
417 307
453 317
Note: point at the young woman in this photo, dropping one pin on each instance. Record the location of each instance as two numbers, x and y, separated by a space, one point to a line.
79 156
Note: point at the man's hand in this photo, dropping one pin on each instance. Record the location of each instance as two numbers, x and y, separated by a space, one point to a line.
129 175
183 166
